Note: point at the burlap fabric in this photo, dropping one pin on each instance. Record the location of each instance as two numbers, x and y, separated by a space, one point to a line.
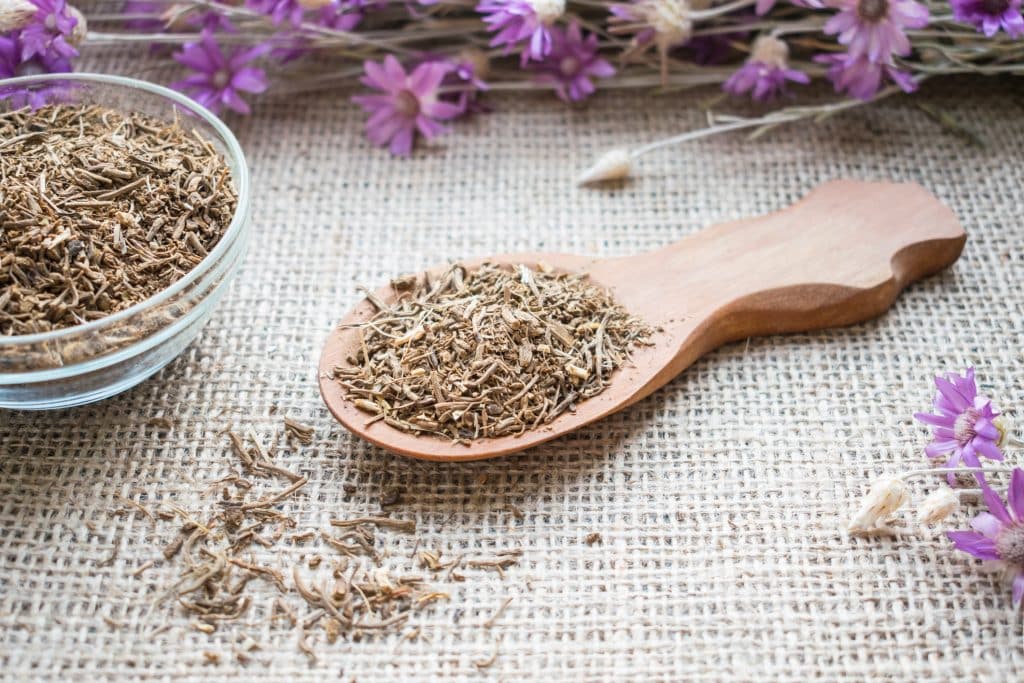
720 501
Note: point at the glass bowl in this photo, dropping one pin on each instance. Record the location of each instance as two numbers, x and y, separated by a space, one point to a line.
90 362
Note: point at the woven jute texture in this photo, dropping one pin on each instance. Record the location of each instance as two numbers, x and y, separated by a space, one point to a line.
721 500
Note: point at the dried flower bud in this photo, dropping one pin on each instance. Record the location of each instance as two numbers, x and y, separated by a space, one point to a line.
940 504
15 14
1004 425
887 495
614 164
548 11
479 60
314 4
81 28
771 51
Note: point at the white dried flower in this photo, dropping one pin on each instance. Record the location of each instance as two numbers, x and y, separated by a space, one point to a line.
887 495
548 11
663 24
771 51
15 14
81 28
940 504
614 164
670 20
1004 425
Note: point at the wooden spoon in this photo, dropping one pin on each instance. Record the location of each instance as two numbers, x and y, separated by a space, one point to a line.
837 257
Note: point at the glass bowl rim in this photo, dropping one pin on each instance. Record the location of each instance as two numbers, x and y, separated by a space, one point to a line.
223 246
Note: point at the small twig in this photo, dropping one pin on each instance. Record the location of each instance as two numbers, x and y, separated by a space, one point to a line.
501 610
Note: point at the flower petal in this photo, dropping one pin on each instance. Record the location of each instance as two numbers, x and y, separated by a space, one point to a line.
1018 589
427 77
937 420
975 544
1015 496
995 504
987 525
951 393
401 144
986 448
939 448
250 79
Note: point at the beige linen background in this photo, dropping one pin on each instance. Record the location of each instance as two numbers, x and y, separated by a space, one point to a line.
720 500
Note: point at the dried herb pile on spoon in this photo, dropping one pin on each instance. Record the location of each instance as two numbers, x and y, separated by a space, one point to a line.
486 353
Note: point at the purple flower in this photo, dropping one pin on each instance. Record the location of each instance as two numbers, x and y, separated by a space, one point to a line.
408 102
962 427
49 33
278 10
988 16
766 71
12 65
999 533
220 77
515 21
572 63
862 78
874 28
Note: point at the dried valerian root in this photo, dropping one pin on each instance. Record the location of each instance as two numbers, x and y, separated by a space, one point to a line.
487 353
358 597
99 210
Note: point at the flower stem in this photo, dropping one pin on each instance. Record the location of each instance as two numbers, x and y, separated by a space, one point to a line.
951 470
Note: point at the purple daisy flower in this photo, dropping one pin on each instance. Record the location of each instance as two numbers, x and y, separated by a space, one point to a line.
49 33
999 533
515 21
408 102
988 16
860 77
875 28
962 427
766 71
220 77
572 63
279 10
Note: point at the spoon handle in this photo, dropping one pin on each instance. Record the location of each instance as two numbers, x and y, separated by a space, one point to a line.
839 256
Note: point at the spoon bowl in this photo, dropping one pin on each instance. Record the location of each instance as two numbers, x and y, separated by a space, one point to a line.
839 256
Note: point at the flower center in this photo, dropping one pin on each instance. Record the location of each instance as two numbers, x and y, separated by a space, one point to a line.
221 78
569 66
407 104
963 428
994 7
872 11
1010 544
50 22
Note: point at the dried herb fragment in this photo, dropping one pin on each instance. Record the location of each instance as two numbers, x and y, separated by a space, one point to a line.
99 210
492 352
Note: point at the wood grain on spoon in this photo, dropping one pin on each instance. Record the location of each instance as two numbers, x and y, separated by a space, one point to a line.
839 256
